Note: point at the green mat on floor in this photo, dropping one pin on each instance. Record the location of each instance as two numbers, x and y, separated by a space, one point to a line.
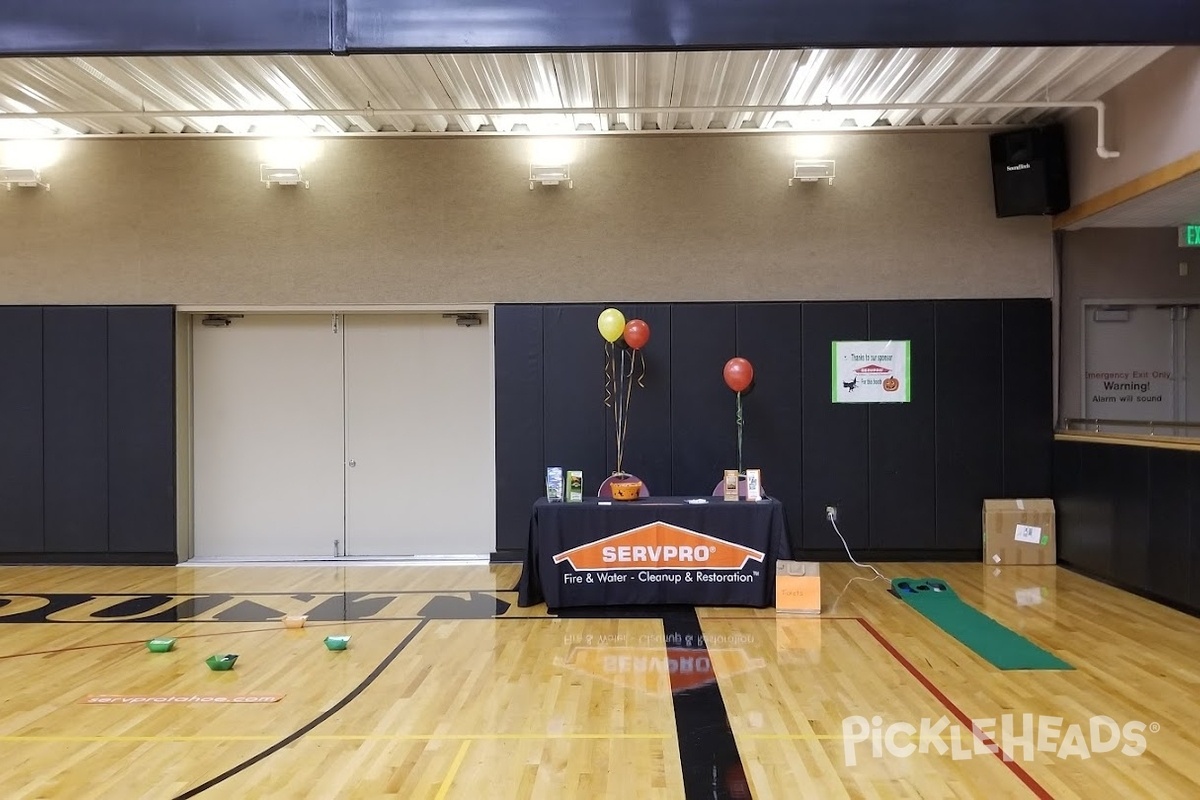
1004 648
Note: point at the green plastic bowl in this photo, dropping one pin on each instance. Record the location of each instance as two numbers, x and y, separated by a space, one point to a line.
221 663
337 642
161 645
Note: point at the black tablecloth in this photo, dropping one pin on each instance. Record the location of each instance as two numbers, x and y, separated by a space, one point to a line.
657 550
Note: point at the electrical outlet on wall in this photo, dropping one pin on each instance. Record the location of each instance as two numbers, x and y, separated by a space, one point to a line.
831 513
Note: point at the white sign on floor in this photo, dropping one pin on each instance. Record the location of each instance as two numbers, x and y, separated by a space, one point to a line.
871 372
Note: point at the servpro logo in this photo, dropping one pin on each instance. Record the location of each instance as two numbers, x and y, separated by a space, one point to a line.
659 546
872 369
654 670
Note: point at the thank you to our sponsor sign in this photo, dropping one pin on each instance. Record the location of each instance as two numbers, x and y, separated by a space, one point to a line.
871 372
660 553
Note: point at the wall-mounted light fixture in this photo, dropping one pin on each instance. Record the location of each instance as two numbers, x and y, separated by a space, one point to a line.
550 175
464 320
23 161
282 176
219 320
23 177
811 171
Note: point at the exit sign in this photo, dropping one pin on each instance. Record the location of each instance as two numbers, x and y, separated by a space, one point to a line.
1189 235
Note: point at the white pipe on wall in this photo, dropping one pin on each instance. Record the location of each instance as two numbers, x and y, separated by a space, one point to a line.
1101 149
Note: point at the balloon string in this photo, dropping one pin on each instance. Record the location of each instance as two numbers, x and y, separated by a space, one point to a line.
607 374
740 420
618 412
628 395
642 377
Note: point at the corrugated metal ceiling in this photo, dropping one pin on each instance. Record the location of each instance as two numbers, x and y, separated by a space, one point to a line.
371 93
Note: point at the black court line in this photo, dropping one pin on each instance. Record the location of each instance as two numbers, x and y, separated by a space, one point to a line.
712 766
336 707
708 752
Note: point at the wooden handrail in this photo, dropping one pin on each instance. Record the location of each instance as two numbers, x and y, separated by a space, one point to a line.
1096 422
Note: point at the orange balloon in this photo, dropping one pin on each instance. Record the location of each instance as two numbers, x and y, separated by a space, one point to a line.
739 374
637 334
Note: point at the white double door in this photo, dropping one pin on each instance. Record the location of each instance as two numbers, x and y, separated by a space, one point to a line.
323 435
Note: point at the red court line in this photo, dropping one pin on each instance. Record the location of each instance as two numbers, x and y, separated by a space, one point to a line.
777 617
1012 765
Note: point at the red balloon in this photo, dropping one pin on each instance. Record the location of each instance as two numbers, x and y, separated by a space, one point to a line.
738 374
637 334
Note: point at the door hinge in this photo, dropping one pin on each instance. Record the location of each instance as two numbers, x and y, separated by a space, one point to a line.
336 322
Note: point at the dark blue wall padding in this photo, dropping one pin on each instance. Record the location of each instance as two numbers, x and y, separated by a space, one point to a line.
573 385
421 25
141 429
1194 530
835 445
907 479
970 422
21 526
770 336
520 467
87 434
1101 473
1069 502
901 451
703 408
1128 477
1028 371
75 359
1167 541
1130 516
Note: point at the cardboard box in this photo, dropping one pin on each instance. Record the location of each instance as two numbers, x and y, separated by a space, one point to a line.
1019 532
798 587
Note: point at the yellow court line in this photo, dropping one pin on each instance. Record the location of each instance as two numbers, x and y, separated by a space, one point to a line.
420 737
837 737
797 736
423 737
454 765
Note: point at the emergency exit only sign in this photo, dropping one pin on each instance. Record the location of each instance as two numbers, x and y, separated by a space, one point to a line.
1189 235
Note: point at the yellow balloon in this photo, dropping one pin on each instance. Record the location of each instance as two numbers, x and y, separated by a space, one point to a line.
611 324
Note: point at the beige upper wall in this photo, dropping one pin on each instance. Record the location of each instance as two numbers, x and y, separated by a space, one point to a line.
446 221
1115 264
1153 120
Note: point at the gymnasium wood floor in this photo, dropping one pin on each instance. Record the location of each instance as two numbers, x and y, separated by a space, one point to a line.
449 690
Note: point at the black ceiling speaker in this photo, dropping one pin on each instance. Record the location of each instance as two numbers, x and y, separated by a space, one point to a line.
1029 172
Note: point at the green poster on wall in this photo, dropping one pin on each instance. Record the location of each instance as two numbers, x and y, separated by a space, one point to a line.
872 372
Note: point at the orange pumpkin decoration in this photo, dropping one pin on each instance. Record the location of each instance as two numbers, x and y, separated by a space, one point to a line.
891 384
626 490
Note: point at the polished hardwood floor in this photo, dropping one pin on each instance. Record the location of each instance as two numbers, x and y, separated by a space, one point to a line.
449 690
